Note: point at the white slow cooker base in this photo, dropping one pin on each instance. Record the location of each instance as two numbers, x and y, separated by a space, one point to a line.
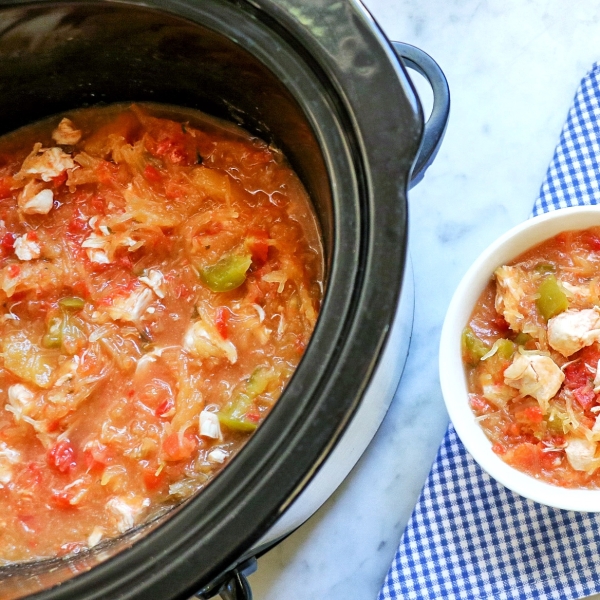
364 425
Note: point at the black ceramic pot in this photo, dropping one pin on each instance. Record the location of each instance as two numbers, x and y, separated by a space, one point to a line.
321 81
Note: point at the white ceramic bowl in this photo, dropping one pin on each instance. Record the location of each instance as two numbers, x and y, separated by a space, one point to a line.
452 376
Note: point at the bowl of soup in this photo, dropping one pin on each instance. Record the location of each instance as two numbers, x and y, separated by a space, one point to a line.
519 359
207 309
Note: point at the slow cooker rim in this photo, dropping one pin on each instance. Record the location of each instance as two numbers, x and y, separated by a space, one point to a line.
390 299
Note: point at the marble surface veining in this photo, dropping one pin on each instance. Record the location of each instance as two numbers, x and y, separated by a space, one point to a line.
513 68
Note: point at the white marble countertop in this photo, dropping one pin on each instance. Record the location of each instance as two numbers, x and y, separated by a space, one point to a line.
513 68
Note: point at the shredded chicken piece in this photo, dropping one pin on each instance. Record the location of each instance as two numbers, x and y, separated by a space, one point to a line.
498 393
35 199
218 455
66 134
209 425
572 330
581 455
202 340
96 247
132 307
535 375
577 293
45 163
276 277
20 399
155 281
27 249
509 293
127 510
95 537
8 458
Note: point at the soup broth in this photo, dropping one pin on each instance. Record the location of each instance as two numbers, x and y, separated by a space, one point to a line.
160 277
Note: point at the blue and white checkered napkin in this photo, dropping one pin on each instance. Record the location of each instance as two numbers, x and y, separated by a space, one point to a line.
471 538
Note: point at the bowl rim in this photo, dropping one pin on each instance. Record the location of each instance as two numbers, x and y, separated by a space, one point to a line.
452 377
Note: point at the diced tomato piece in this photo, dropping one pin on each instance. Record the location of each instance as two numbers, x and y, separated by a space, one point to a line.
585 396
70 548
163 147
534 414
14 270
62 500
253 416
213 228
182 291
176 449
557 440
590 355
106 173
177 155
173 191
78 223
526 456
97 203
62 456
5 187
257 242
261 156
222 320
60 179
125 262
29 521
592 240
300 345
501 323
106 301
255 293
152 481
499 449
513 429
8 241
478 404
32 236
30 477
151 173
81 289
576 375
100 453
165 408
53 425
561 238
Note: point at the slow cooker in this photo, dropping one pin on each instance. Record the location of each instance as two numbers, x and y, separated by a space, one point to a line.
319 80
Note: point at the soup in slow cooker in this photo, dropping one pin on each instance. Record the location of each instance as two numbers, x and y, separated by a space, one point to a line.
160 277
531 352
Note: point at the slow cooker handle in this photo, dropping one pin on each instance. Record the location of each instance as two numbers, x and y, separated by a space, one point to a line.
232 585
435 127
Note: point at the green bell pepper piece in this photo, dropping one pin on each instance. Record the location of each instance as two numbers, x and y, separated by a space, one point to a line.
472 347
234 413
71 303
64 332
552 300
544 268
522 339
53 336
227 274
506 349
